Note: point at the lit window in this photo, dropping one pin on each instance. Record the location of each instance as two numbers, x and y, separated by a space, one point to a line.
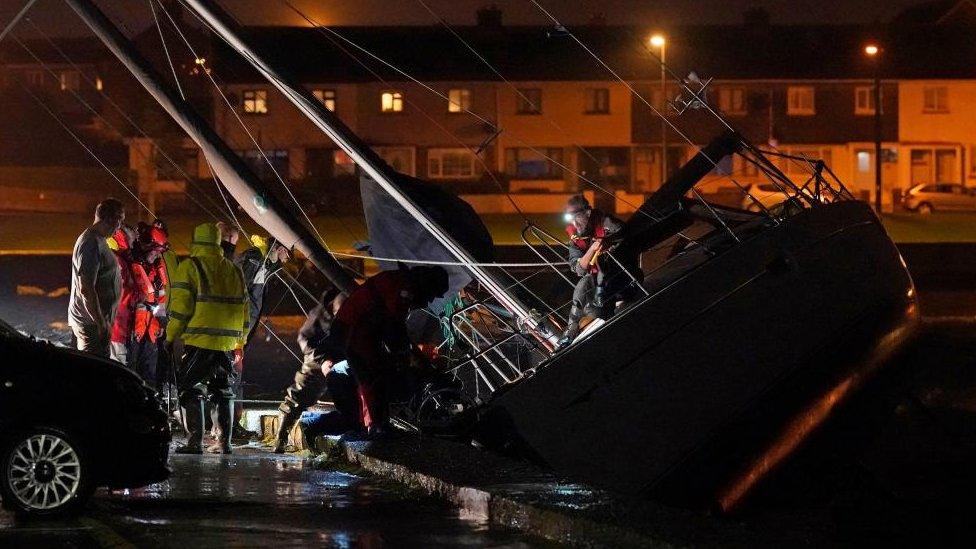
326 97
69 80
864 100
529 101
256 101
99 85
800 101
458 100
391 101
936 99
597 101
451 164
732 101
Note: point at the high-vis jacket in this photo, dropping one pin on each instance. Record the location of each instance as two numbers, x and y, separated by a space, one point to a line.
208 305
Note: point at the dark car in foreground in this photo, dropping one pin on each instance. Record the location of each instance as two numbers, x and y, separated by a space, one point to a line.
71 422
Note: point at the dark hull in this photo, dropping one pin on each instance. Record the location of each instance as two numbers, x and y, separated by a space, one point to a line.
701 390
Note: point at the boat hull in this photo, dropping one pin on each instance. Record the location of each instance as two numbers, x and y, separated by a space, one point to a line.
700 391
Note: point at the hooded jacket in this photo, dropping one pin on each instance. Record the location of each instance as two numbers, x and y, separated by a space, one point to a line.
208 305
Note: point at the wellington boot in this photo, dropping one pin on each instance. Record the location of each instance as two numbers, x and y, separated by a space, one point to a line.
225 425
285 424
192 412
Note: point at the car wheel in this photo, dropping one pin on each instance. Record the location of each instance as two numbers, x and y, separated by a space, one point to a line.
925 208
44 472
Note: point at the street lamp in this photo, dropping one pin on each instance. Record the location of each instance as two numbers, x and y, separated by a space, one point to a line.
658 41
873 51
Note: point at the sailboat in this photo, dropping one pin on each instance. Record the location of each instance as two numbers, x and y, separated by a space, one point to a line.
749 335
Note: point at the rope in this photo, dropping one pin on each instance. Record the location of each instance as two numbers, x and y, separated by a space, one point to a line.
450 263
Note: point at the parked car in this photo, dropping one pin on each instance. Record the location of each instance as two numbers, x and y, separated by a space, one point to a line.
71 422
932 197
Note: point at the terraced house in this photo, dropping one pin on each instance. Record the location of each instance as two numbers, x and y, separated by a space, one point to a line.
490 109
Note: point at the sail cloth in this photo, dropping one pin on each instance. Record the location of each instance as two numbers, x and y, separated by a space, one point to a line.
394 233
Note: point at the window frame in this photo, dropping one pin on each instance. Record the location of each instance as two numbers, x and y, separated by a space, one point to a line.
553 171
864 110
726 95
798 109
595 99
523 101
936 107
439 153
463 102
258 97
396 102
322 95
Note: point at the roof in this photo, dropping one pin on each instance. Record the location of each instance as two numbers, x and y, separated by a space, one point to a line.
526 53
539 53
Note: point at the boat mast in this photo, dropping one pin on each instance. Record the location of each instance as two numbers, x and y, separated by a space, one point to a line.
232 172
357 149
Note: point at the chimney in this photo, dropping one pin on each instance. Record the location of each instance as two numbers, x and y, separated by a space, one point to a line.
489 16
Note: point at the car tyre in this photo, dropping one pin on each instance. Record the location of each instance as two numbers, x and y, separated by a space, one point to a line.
44 472
925 208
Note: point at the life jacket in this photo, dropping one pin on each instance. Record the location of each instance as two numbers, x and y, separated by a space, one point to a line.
147 322
133 288
208 306
583 240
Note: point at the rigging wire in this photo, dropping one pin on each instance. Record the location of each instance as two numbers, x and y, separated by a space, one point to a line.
480 118
93 154
481 160
653 109
220 189
119 109
245 128
84 145
775 176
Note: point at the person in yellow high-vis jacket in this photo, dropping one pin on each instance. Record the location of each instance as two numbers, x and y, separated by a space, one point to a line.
208 310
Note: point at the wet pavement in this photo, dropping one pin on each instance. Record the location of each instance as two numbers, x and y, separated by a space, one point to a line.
258 499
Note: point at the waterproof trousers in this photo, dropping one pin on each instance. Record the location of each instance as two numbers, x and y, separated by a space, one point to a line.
144 357
206 374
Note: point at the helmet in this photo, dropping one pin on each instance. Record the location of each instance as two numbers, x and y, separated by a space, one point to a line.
431 282
152 236
261 243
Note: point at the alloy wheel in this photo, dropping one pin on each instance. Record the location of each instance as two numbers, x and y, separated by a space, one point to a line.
44 472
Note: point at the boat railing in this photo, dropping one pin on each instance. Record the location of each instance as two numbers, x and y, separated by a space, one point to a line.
498 352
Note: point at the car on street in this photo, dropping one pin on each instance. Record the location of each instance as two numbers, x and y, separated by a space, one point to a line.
941 197
71 422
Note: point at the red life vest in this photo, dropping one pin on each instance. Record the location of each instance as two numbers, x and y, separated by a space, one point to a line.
155 281
583 242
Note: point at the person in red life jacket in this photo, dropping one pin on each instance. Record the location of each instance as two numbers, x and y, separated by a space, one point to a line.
591 233
151 311
370 332
133 292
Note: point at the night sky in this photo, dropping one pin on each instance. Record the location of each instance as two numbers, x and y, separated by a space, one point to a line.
56 17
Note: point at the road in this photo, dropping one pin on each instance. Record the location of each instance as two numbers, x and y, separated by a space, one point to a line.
258 499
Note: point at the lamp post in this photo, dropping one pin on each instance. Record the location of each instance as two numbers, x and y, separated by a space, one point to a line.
874 54
658 41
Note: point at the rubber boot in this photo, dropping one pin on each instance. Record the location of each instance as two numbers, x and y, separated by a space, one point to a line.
572 327
193 422
225 427
285 423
